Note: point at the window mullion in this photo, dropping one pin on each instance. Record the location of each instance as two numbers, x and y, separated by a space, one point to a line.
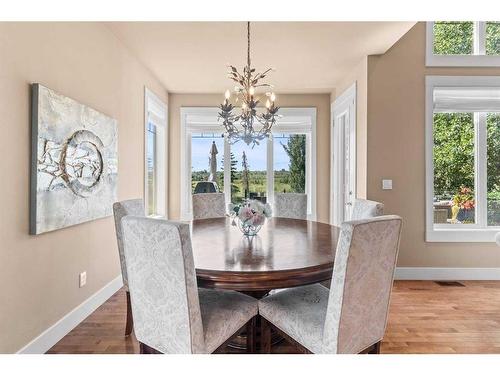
227 171
270 169
479 38
481 169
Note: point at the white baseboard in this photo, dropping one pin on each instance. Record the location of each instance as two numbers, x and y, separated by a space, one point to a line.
433 273
53 334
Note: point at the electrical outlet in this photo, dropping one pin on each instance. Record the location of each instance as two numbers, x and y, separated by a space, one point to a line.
83 279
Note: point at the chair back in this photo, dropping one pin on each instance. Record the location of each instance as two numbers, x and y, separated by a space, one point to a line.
290 205
363 274
121 209
162 284
209 205
365 209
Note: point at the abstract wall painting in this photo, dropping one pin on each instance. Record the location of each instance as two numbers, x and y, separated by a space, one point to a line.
74 162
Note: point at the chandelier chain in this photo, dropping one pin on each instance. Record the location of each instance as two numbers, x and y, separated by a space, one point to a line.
248 44
248 82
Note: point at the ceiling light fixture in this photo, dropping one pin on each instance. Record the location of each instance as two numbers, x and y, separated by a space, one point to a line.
254 127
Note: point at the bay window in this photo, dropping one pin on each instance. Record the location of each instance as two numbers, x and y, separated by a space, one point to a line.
462 158
283 163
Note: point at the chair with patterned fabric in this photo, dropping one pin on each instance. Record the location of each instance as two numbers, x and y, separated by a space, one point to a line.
209 205
171 315
290 205
362 209
365 209
121 209
351 317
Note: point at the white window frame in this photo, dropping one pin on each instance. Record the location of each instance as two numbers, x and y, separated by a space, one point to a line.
477 59
478 232
204 119
155 111
305 124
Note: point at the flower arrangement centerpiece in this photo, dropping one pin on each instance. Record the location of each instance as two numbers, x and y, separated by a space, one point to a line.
463 205
250 216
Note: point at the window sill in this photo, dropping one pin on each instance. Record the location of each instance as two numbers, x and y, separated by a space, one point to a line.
461 235
156 216
462 60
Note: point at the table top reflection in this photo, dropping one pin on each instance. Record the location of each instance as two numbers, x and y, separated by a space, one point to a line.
285 253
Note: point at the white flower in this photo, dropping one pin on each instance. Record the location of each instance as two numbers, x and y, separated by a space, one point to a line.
257 206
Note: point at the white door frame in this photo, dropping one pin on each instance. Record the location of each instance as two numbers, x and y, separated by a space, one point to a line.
344 104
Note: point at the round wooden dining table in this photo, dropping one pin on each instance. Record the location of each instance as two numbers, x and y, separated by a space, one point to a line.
285 253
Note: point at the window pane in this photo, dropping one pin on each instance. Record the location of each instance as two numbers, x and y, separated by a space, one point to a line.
493 38
453 38
248 172
289 163
493 168
453 155
151 166
204 147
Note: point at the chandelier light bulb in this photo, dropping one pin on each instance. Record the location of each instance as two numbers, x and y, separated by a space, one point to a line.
252 90
273 97
227 94
268 104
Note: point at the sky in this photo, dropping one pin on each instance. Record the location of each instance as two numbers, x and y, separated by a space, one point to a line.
256 157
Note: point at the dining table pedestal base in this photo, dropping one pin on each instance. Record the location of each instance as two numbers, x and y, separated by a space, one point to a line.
240 341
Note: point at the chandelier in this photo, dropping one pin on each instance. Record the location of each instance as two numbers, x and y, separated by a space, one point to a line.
253 126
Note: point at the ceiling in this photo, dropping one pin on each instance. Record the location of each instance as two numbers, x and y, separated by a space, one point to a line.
309 57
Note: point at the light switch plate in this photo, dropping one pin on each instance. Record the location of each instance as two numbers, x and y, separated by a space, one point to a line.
386 184
83 279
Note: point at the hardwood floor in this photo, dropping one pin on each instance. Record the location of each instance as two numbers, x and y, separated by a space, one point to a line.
425 317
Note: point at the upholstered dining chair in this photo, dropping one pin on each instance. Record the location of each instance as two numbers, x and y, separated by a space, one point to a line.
364 209
209 205
121 209
171 315
351 317
290 205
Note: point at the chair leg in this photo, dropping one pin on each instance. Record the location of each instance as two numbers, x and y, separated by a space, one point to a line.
130 320
265 336
375 349
144 349
251 333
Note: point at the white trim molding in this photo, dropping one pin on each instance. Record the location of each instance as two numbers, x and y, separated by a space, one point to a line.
479 58
48 338
345 104
478 232
435 273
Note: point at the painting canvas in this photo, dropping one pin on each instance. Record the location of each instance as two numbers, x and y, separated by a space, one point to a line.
74 164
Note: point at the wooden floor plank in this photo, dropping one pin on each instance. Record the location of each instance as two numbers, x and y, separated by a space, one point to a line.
424 318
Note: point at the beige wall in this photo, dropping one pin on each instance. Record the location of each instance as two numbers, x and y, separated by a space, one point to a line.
396 146
358 76
320 101
39 274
